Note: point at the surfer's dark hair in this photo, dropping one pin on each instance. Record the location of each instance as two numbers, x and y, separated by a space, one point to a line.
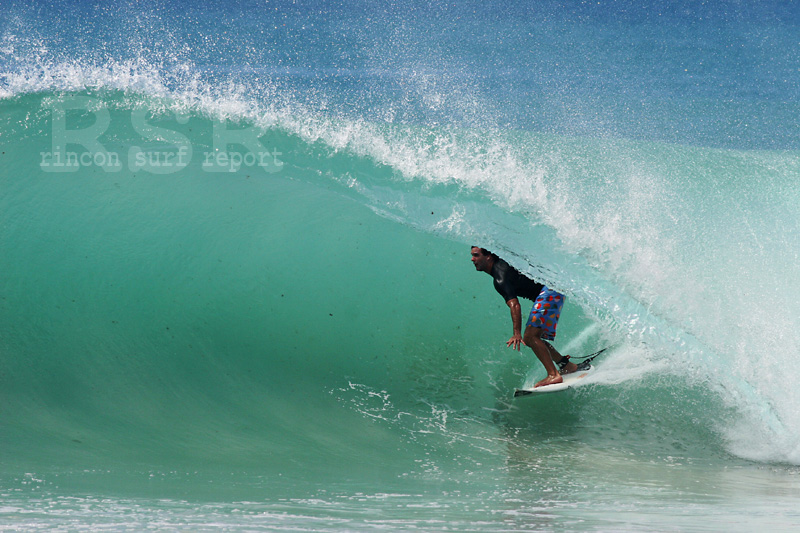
484 251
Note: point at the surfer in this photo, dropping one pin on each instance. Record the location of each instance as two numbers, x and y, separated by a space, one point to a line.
542 322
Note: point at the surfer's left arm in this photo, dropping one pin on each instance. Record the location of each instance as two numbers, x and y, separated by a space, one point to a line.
516 318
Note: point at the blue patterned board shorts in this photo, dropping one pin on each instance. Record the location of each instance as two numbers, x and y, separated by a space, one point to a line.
546 311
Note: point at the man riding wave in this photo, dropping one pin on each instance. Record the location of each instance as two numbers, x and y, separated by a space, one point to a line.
543 319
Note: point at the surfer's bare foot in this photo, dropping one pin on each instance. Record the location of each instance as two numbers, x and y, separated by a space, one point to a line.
550 380
570 368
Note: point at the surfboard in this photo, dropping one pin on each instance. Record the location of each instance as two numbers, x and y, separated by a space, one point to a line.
570 381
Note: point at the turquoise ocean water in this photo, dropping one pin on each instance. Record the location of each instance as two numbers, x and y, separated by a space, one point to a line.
235 288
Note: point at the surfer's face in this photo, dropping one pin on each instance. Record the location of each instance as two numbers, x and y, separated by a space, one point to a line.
480 261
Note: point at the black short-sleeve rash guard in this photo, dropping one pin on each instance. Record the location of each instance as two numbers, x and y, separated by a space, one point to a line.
511 284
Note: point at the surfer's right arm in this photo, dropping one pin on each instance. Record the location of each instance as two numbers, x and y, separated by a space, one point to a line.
516 318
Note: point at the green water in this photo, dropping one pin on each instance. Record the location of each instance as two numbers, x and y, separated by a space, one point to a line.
311 349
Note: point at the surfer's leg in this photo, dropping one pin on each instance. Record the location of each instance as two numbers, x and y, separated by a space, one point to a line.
533 339
541 326
569 368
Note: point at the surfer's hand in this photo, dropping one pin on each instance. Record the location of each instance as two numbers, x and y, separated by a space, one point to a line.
515 341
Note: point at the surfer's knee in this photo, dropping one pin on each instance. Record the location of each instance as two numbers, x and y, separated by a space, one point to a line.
532 335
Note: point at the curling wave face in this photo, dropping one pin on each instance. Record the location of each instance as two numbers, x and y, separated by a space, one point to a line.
238 252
